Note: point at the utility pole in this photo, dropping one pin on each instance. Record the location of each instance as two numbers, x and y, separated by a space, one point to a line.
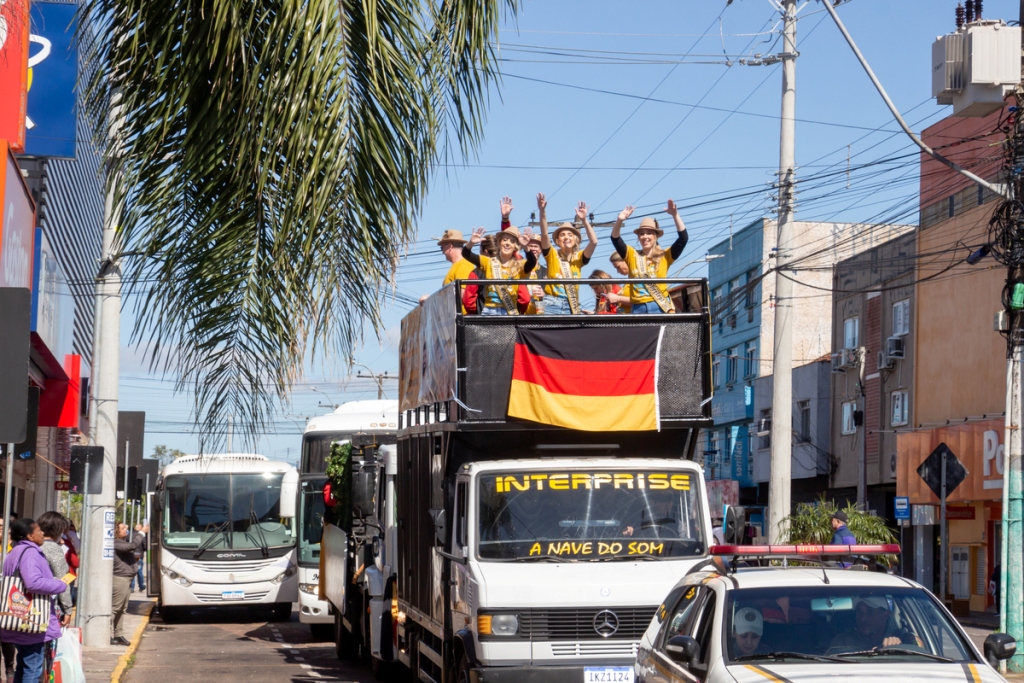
379 379
101 507
231 429
782 364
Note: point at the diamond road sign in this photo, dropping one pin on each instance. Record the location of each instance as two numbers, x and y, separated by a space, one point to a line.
931 471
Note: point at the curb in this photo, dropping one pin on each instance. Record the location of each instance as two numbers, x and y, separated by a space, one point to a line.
122 661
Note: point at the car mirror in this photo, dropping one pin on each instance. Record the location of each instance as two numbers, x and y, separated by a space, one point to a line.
999 646
440 525
682 649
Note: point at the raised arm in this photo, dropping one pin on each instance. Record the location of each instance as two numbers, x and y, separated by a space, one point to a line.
617 242
467 250
677 247
581 213
542 211
529 263
506 211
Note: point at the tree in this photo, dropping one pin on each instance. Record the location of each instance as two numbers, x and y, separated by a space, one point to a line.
268 160
165 456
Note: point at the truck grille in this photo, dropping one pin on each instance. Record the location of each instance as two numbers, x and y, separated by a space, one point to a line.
217 597
579 624
229 566
592 649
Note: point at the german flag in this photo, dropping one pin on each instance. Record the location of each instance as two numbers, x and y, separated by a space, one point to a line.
596 379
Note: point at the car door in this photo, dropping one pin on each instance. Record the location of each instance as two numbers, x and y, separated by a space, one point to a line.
682 620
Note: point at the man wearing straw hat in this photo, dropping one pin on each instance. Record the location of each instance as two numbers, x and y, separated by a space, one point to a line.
451 244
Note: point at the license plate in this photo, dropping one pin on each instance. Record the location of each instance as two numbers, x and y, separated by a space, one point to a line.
236 595
607 674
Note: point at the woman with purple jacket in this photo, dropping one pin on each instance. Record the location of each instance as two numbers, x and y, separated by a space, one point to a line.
28 561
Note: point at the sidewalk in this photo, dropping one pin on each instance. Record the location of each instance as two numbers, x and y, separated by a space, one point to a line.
109 663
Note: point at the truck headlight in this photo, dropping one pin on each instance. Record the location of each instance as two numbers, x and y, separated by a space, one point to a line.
310 588
287 573
176 577
497 624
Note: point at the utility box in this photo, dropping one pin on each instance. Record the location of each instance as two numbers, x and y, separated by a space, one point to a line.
976 67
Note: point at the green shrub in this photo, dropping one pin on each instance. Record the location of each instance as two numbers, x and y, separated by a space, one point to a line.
811 523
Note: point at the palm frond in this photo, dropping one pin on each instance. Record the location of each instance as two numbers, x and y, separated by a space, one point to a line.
271 158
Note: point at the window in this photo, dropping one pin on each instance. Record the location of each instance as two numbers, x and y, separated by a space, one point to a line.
849 425
716 373
734 292
901 318
804 415
851 333
750 360
731 366
764 429
462 500
900 408
751 293
716 302
683 613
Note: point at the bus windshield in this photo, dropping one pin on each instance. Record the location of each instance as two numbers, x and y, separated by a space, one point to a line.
316 448
311 520
241 510
595 515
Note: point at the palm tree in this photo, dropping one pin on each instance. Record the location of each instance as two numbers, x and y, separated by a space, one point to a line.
271 158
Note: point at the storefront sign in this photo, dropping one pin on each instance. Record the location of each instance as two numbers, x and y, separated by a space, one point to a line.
13 72
62 486
17 223
53 68
976 445
959 512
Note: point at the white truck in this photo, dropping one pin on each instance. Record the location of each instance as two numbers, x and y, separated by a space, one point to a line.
516 550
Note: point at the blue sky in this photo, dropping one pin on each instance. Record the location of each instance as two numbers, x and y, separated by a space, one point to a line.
595 105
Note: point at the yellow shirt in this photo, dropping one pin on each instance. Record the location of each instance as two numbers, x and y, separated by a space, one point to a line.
638 294
460 270
627 290
493 270
554 266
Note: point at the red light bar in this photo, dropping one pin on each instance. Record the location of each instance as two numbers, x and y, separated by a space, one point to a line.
790 550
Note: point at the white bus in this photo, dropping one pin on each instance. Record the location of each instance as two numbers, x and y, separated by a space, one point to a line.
363 423
223 533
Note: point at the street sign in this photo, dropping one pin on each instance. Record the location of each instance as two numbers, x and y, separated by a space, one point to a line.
902 507
62 486
931 471
79 456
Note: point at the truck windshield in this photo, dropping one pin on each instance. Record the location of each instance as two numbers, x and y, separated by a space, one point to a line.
228 506
595 515
311 520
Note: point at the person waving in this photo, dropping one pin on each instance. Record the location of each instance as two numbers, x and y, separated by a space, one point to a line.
651 261
500 299
564 259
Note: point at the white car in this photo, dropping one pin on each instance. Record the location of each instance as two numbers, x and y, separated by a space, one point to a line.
799 624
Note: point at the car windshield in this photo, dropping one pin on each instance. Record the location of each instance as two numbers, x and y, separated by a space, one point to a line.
595 515
311 520
228 507
844 623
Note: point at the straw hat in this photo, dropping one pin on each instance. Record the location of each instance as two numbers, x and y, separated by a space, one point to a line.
453 236
510 230
566 226
650 223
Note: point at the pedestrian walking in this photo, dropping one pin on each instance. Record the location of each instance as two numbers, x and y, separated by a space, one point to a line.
842 535
124 571
564 259
651 261
27 561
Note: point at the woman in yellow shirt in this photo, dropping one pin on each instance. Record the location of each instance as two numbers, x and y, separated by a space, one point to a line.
651 261
501 300
564 260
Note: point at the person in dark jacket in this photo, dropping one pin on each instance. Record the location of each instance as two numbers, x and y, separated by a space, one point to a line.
124 572
27 561
842 535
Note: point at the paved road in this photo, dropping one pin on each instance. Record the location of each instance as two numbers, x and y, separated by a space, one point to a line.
237 645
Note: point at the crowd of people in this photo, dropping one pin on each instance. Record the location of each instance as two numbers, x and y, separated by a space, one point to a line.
44 555
514 255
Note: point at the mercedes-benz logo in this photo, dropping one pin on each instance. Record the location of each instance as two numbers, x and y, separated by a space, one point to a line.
606 623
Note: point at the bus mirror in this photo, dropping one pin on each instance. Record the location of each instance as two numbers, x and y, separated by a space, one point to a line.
734 526
440 525
289 493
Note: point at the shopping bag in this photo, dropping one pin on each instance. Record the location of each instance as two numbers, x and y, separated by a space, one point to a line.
67 662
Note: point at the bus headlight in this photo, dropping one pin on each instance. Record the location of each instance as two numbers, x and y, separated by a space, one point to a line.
497 624
175 577
310 588
286 574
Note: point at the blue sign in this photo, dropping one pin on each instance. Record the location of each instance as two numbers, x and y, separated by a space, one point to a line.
901 507
52 75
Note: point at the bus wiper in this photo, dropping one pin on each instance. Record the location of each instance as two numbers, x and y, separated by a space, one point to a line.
529 558
209 541
786 655
259 532
638 556
884 652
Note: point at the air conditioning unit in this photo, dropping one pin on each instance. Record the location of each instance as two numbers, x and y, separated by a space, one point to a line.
885 362
837 363
976 67
895 347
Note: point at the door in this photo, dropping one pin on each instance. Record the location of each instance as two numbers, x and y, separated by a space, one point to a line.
156 528
960 572
461 596
683 620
